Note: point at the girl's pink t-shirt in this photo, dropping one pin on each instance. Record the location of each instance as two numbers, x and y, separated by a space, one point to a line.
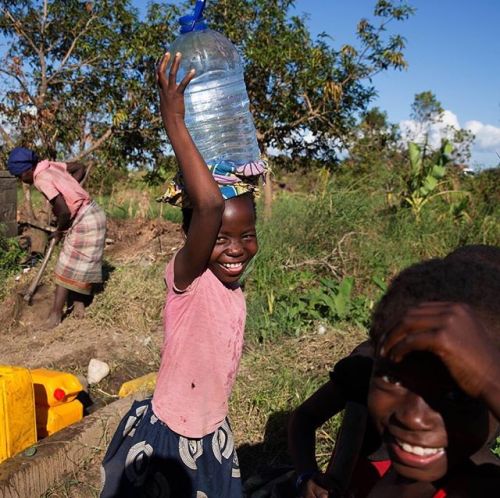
202 347
52 179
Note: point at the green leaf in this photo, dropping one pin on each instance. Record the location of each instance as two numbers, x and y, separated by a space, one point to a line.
379 283
415 157
430 183
438 171
447 148
343 298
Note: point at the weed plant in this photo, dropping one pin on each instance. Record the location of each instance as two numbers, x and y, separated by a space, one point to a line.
11 256
327 257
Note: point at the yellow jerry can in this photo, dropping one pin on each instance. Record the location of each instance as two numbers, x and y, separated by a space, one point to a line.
54 388
146 384
17 411
50 419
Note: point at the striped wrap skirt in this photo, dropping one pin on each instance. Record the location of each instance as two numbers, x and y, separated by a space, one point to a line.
80 260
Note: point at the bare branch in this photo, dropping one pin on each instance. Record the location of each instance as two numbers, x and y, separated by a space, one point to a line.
38 50
21 83
6 136
72 47
19 28
44 17
86 62
93 147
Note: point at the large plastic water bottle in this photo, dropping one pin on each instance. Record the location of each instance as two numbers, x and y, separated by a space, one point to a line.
217 106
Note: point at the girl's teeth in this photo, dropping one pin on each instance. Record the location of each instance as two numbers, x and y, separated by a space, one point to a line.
419 450
232 265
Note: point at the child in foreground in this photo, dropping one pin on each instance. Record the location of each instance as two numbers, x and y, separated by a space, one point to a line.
471 267
435 392
80 221
180 443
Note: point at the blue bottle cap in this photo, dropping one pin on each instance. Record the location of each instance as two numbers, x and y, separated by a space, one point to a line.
194 21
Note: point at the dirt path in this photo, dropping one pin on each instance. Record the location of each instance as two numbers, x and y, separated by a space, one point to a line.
136 243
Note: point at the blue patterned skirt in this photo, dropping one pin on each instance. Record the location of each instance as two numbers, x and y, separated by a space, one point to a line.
146 459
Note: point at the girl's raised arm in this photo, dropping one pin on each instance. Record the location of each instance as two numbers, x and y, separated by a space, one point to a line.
203 192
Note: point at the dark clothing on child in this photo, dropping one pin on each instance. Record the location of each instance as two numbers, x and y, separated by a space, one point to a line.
146 458
352 375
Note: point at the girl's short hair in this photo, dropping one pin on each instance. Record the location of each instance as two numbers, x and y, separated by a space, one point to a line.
456 280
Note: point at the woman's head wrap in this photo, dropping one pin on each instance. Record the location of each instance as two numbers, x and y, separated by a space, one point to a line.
21 160
233 180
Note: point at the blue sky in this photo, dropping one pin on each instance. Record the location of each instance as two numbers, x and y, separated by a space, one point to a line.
453 49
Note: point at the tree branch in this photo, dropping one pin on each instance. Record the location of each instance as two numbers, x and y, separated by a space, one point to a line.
6 136
93 147
19 28
44 17
72 47
21 82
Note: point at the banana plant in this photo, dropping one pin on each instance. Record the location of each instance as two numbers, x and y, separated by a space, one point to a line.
425 176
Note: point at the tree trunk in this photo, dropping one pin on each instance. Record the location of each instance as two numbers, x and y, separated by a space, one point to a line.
28 206
268 196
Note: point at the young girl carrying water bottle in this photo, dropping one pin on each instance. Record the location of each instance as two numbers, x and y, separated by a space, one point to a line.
179 443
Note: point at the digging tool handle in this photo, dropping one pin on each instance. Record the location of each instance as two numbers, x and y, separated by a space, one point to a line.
36 281
37 225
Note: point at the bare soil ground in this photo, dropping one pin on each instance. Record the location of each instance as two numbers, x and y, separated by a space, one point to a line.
123 328
72 344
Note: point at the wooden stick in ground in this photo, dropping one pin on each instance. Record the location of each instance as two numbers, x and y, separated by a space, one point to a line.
36 281
348 445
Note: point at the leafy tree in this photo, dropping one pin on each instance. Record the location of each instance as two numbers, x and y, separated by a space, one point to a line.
299 86
78 76
426 108
374 143
427 111
462 140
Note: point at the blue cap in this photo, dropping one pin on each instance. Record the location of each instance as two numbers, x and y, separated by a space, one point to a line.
21 160
194 21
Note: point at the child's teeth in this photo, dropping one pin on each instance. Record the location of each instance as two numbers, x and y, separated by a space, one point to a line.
232 265
419 450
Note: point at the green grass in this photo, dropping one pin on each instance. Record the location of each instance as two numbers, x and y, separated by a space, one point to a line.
329 234
11 256
131 204
314 242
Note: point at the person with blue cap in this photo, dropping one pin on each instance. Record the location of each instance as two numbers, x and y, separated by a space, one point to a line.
80 221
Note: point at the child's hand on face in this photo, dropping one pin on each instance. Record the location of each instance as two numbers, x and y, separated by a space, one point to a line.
172 94
452 332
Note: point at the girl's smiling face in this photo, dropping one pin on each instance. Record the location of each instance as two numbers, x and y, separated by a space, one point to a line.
426 421
236 243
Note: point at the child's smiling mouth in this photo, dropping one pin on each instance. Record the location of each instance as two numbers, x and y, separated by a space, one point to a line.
418 450
233 268
413 455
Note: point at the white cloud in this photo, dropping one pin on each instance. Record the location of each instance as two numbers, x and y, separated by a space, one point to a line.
487 136
486 143
412 130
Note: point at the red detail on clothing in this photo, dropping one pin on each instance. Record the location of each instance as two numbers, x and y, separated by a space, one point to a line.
367 473
382 466
440 494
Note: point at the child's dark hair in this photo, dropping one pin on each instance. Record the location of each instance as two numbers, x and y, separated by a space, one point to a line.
456 280
481 253
187 214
